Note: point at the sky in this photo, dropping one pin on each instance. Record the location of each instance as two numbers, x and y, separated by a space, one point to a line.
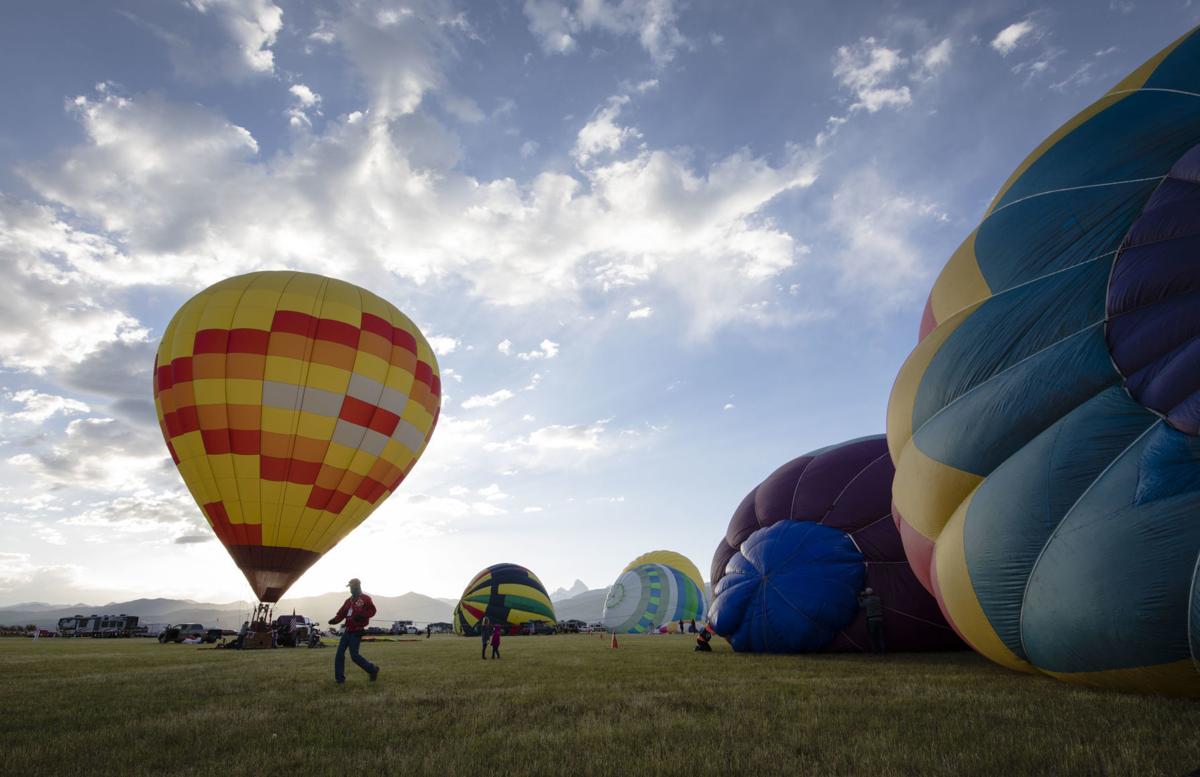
659 247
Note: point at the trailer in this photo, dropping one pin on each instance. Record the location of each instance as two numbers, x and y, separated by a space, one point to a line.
98 626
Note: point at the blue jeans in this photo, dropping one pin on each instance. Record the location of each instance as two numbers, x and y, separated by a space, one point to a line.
350 640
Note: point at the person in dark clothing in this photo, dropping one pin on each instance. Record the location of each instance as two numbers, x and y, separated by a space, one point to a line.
428 630
485 634
703 638
357 612
872 606
496 641
693 626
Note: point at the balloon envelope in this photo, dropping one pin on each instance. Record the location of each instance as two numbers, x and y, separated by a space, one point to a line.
506 594
841 498
654 590
1045 428
791 588
293 405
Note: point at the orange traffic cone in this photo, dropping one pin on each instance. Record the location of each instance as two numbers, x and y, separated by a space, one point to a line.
614 641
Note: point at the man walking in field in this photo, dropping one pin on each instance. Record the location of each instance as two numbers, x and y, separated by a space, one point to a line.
485 634
357 612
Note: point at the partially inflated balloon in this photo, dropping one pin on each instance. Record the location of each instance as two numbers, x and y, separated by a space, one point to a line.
655 589
508 595
293 405
1045 430
794 588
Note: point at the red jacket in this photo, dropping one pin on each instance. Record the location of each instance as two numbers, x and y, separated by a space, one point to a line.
357 612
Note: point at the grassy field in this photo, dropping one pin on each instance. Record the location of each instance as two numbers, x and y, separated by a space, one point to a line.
564 705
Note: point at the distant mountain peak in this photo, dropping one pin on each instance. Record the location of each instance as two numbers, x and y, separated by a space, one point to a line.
578 587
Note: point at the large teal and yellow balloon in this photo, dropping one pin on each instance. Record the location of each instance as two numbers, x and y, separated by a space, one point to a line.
653 590
1045 429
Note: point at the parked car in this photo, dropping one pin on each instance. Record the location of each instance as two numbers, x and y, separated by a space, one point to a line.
293 630
181 631
213 635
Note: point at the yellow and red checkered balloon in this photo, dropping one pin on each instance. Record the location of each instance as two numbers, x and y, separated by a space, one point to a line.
293 405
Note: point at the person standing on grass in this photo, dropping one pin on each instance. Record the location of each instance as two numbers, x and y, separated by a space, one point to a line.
873 607
357 612
496 641
485 633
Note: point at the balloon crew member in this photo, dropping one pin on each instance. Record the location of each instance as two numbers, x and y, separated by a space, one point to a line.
496 641
485 633
869 601
703 638
357 612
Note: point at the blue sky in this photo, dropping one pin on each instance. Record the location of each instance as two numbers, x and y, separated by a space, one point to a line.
660 247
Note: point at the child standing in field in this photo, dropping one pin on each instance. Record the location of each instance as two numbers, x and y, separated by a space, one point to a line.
496 641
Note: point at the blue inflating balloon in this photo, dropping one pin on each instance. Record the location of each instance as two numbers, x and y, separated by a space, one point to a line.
790 589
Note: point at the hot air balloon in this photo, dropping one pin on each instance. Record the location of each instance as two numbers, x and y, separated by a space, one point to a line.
794 587
293 405
1045 428
509 595
653 590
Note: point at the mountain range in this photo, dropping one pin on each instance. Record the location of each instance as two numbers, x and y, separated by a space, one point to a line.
586 605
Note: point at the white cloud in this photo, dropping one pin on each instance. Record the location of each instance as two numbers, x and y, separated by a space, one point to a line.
548 349
463 108
38 407
244 31
50 535
728 406
1008 39
528 149
935 58
602 134
490 400
534 380
556 24
1043 64
492 493
878 225
362 196
504 346
304 95
169 515
55 313
305 100
99 453
867 69
1078 77
443 345
642 312
252 25
561 446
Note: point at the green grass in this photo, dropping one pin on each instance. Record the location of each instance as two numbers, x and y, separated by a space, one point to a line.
564 705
